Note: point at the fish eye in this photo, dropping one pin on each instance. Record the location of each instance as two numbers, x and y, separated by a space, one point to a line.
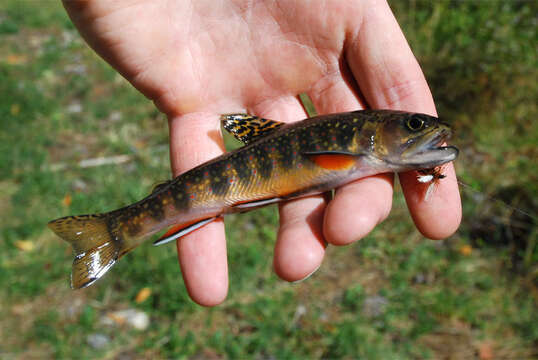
415 123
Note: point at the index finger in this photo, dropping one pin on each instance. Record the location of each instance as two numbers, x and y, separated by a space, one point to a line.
195 138
390 77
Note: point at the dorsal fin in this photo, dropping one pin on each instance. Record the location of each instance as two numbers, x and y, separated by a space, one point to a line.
248 128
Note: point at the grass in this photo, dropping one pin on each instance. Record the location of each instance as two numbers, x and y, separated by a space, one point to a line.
393 295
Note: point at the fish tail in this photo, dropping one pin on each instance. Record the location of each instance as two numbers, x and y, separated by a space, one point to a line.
96 245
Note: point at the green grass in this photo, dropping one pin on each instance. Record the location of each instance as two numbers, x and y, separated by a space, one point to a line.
437 299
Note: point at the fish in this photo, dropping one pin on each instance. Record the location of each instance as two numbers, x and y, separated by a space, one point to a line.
279 161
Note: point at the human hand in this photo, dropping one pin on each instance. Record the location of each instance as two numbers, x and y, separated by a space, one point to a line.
198 59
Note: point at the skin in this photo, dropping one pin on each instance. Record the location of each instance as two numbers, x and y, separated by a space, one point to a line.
199 59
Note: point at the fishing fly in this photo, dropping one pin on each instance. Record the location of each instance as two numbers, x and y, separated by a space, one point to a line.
431 177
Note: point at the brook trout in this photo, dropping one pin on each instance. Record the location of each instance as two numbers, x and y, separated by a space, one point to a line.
278 162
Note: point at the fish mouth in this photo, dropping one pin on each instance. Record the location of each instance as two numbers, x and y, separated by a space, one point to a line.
427 151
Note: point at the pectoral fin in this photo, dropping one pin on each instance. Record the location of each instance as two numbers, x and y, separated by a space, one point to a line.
248 128
333 160
180 230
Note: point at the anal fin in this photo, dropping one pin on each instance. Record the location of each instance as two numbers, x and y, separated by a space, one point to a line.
180 230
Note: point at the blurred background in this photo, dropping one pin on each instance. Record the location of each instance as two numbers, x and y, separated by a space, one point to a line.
75 137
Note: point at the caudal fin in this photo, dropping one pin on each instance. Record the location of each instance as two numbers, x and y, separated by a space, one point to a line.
96 248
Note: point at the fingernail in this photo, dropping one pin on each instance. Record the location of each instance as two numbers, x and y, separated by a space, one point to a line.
307 276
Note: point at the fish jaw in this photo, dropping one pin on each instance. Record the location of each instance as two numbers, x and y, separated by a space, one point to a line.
426 152
427 159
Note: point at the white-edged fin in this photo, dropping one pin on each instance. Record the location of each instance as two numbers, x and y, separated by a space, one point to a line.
257 203
183 231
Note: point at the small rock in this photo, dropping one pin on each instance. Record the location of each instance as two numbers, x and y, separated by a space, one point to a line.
131 317
72 309
79 185
130 167
424 278
97 341
419 278
68 37
115 116
78 69
374 305
74 108
299 312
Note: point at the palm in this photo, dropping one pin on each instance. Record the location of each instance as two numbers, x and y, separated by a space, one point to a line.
199 59
214 56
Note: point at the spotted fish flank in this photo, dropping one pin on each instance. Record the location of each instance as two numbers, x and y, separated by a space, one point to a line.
278 162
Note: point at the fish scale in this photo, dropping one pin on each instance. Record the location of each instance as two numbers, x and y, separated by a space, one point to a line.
278 162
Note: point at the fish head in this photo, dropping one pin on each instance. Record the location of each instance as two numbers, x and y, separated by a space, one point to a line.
409 141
